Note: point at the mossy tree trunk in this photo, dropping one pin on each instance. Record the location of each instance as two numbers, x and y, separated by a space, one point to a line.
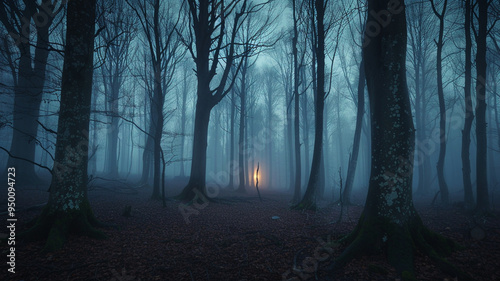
68 208
389 221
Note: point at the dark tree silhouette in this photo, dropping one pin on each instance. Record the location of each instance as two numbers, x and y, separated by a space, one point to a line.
389 220
209 27
296 121
29 80
443 187
68 209
309 200
483 202
469 112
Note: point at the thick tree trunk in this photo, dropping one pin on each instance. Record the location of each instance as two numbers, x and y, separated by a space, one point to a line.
389 220
353 160
68 209
469 113
196 184
481 136
28 91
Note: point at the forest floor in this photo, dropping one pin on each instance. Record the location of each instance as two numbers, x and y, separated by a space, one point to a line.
236 238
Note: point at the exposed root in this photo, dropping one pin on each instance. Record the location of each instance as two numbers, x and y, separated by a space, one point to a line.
57 226
399 243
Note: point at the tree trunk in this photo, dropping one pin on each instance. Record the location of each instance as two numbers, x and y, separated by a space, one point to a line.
68 209
469 113
309 200
183 119
241 141
305 122
296 121
231 140
353 160
28 93
443 187
196 184
158 132
389 220
289 139
481 155
148 146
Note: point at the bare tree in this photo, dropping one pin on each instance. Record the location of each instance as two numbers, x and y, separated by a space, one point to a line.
117 34
29 74
443 187
159 24
208 41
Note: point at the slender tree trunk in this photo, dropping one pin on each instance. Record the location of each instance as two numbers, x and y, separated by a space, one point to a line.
183 119
296 124
481 136
353 160
305 123
309 200
289 140
469 113
241 142
443 187
231 140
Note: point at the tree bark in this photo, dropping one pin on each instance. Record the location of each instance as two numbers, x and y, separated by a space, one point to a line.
309 199
353 160
469 113
241 141
483 202
28 89
389 220
443 187
68 209
296 121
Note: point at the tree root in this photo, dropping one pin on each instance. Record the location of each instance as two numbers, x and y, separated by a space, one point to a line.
399 243
57 226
